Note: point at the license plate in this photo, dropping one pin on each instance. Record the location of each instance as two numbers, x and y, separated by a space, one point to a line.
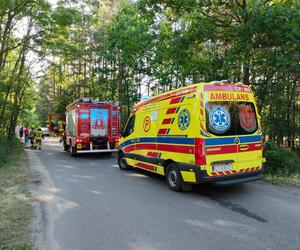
222 167
79 146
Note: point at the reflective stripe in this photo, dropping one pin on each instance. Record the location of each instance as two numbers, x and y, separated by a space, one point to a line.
168 140
230 140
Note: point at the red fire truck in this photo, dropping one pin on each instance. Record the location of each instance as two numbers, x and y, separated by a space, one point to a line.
91 127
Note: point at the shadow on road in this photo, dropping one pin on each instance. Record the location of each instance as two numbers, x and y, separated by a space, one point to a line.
224 196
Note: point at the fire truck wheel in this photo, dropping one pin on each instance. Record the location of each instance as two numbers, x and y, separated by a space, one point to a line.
73 151
173 177
122 162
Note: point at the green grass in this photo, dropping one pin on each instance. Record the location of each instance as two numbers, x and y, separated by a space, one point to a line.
290 180
15 199
283 165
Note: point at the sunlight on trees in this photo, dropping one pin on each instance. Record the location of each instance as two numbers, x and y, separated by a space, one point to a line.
121 50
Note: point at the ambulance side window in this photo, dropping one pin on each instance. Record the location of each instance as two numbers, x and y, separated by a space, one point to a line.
130 127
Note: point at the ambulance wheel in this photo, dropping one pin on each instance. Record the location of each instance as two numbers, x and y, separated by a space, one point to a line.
173 177
122 162
73 151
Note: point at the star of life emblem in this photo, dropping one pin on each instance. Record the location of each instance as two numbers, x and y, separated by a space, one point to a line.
219 119
184 119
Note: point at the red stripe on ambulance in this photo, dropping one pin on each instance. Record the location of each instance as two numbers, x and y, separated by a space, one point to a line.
162 147
171 111
153 154
251 147
163 131
129 148
233 171
228 149
231 149
167 121
145 166
175 100
176 148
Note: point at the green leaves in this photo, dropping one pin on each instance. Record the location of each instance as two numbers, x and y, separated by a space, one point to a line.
121 50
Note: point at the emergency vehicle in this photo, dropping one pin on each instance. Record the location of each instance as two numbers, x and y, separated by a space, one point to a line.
56 124
91 127
207 132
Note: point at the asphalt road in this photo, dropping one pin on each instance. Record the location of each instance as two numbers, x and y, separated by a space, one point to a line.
88 203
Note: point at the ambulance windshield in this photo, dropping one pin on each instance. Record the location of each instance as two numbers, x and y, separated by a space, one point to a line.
230 118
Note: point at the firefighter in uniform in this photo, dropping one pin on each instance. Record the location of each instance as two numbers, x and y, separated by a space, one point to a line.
38 138
61 126
32 137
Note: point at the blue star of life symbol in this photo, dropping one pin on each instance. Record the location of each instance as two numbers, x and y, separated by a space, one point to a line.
219 119
184 119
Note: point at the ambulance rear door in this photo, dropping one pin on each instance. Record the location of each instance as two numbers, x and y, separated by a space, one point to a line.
250 142
221 148
234 125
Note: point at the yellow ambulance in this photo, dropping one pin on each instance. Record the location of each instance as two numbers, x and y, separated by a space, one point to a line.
207 132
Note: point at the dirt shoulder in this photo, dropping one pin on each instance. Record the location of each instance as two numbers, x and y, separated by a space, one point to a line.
15 201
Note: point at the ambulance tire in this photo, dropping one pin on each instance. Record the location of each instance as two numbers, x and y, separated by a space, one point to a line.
73 151
173 177
122 162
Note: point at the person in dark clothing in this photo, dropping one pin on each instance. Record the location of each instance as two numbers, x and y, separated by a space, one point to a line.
21 132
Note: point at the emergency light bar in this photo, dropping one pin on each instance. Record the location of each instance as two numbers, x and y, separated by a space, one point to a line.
85 99
145 98
239 84
220 82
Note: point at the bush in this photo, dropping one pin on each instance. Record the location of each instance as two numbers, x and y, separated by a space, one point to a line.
281 161
8 148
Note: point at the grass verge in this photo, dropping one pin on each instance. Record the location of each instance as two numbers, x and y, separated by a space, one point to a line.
291 180
15 200
283 165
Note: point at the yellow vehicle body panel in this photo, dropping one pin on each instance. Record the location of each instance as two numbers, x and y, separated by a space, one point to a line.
169 127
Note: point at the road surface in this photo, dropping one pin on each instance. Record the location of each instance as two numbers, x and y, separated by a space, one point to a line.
88 203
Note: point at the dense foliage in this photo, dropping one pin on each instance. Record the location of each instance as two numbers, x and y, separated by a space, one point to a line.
19 22
282 161
120 50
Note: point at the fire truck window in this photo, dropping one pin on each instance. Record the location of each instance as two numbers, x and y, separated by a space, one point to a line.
130 127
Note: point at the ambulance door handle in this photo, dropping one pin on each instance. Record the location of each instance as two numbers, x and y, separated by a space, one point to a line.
244 147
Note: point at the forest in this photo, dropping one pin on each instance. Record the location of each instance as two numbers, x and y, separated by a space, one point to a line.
52 52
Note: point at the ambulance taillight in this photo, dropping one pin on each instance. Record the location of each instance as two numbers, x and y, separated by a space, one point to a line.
200 158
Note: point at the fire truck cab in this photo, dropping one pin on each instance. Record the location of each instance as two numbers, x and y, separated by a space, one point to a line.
91 127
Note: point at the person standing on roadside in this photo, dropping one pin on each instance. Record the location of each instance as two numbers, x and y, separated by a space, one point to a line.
21 133
32 137
26 136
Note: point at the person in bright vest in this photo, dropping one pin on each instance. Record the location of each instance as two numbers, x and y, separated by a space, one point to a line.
32 137
60 126
38 138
